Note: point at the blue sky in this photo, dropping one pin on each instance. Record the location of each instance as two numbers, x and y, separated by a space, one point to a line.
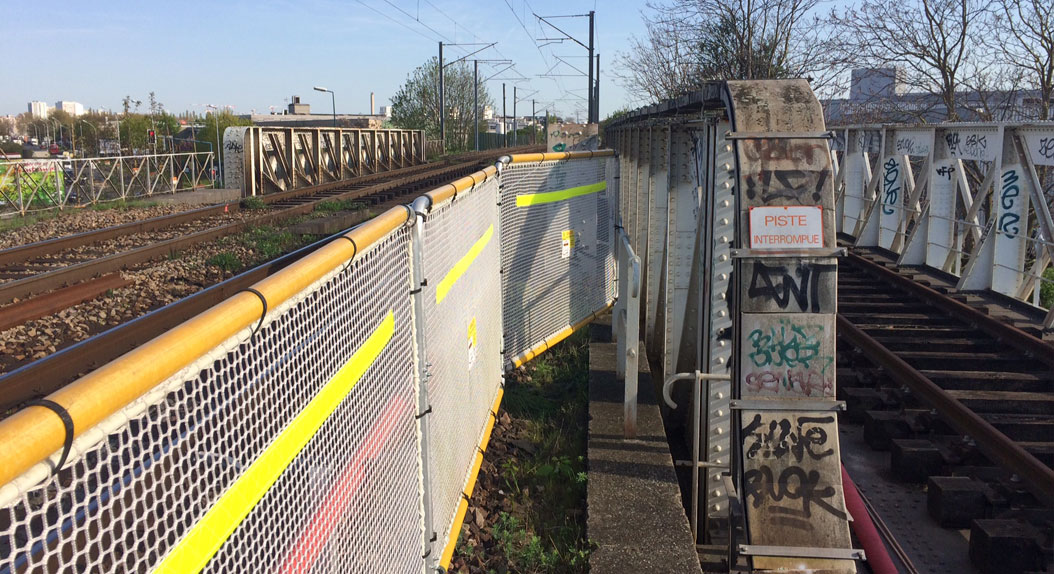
256 54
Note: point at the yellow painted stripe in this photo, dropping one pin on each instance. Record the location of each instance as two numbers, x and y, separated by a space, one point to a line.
207 536
462 508
462 265
553 196
523 358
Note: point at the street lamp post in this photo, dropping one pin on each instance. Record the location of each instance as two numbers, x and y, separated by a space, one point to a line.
86 123
333 97
219 144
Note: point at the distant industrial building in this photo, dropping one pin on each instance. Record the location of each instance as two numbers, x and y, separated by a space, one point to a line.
298 115
39 109
881 96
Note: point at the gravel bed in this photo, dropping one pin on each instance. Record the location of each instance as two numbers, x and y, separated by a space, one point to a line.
129 242
84 219
153 285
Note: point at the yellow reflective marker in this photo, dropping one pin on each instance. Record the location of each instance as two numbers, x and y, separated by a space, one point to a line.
205 538
462 265
554 196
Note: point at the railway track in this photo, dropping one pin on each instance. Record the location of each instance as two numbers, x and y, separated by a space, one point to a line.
37 268
40 377
963 401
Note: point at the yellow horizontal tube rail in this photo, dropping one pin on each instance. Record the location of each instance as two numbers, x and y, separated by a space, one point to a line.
555 156
462 507
560 335
449 190
32 434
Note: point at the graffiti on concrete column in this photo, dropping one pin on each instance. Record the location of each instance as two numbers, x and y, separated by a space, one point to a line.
784 286
1008 197
784 455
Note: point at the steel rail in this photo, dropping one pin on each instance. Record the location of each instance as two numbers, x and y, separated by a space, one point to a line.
22 253
1037 476
69 275
1030 345
50 373
31 250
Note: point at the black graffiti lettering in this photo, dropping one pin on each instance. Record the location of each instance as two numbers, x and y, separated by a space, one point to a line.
952 139
779 285
976 145
780 439
785 184
794 483
906 145
946 171
889 185
1046 148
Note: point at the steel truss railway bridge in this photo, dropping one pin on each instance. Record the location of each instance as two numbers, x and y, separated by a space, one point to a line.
770 270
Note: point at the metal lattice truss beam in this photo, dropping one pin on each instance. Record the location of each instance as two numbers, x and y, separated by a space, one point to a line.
972 200
264 160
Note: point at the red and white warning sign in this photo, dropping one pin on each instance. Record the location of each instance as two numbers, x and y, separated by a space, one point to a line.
786 227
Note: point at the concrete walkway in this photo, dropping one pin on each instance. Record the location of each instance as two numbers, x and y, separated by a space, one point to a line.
635 516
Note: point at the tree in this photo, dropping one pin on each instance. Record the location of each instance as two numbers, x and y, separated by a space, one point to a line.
933 41
1024 33
416 103
691 41
207 134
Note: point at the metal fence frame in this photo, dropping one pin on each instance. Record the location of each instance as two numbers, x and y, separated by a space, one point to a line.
88 181
41 439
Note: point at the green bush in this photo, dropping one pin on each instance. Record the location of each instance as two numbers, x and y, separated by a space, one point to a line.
253 202
1046 290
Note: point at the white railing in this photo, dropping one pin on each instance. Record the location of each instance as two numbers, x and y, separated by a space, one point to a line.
971 200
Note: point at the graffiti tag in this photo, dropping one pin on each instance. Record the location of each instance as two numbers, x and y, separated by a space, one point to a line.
890 185
1007 198
778 284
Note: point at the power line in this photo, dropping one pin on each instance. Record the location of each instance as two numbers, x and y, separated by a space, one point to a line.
418 20
418 32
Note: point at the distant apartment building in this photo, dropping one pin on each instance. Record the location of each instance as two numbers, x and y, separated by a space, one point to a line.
386 111
72 108
38 109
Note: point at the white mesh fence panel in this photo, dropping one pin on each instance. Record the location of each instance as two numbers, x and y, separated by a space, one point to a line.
294 447
216 470
557 258
462 301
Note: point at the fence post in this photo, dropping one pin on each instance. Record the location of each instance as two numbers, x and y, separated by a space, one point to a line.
420 207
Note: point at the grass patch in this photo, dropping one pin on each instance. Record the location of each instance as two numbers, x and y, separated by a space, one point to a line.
270 242
253 203
541 528
333 205
226 261
18 222
123 205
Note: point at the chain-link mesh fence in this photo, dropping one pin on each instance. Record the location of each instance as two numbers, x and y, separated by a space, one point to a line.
278 451
462 303
298 444
557 260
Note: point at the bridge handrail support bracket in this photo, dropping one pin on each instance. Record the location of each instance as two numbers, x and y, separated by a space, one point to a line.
697 376
802 552
800 405
779 135
744 253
